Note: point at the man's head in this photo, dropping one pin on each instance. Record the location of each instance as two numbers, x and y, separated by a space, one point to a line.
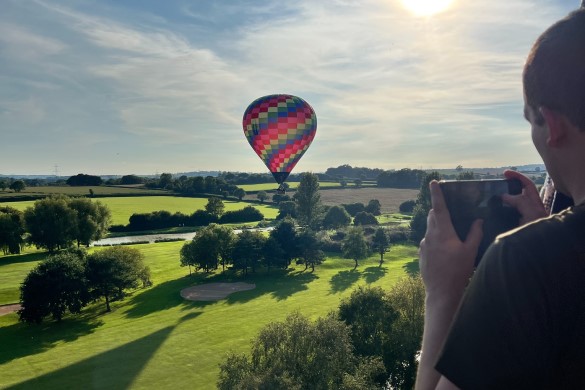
554 74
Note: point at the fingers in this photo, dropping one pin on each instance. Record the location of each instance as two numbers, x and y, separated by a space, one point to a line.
525 180
475 235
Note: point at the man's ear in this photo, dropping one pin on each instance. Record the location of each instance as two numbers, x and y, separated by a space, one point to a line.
556 124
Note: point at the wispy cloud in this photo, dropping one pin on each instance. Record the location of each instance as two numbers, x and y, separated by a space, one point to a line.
390 90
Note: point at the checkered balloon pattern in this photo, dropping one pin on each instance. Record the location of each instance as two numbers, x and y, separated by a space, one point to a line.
280 129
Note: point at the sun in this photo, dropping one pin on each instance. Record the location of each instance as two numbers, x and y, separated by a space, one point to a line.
426 7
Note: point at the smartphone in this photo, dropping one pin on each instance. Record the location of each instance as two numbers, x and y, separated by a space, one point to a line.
468 200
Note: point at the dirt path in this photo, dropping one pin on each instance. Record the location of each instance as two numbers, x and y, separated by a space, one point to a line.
7 309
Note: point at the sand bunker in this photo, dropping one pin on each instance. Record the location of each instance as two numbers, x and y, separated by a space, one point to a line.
214 291
7 309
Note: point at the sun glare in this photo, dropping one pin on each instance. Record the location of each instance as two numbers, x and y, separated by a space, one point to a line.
426 7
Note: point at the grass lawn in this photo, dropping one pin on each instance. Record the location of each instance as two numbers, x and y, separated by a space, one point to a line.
156 340
123 207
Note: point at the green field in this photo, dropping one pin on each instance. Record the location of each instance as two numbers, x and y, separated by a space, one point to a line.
81 191
123 207
156 340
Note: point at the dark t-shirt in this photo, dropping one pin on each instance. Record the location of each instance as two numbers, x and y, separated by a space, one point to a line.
521 324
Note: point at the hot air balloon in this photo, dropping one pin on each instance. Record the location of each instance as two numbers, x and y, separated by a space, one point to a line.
280 129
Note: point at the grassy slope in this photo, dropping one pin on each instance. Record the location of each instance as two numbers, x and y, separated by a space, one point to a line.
154 339
123 207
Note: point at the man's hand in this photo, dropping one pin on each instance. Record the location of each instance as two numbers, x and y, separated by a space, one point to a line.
446 263
528 203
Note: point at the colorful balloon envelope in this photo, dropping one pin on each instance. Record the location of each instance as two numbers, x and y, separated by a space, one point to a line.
280 129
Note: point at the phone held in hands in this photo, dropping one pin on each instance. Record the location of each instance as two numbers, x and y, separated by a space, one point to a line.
468 200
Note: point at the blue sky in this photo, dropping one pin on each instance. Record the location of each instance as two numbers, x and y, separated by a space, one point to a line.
144 87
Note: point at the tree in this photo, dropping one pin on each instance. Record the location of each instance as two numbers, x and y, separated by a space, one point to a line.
308 199
364 218
82 179
240 193
92 220
202 252
51 223
298 354
310 254
53 287
407 206
131 179
287 209
418 224
336 217
248 250
380 243
214 206
407 298
358 183
262 196
370 315
374 207
11 230
354 208
165 180
3 184
468 175
273 255
17 186
285 234
355 246
112 270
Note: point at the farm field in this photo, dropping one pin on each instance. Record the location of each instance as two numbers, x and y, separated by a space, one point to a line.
390 198
82 191
123 207
155 339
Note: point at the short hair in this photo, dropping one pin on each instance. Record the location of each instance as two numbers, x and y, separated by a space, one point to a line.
554 74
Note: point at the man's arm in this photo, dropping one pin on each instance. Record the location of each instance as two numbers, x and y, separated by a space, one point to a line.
446 265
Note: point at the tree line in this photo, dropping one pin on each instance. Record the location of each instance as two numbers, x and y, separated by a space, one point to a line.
371 341
53 223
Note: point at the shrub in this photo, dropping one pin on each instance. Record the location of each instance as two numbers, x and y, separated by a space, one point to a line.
407 206
364 218
354 208
247 214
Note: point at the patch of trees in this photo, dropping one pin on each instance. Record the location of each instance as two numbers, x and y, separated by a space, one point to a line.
56 222
418 224
251 178
53 223
213 213
371 341
68 281
403 178
82 179
348 172
193 185
214 245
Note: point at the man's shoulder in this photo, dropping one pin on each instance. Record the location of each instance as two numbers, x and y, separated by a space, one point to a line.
555 229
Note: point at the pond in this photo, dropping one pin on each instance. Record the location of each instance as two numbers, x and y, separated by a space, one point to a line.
155 237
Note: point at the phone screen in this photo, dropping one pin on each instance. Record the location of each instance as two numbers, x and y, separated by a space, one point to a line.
468 200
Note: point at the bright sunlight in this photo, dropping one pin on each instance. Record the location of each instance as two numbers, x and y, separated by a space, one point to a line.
426 7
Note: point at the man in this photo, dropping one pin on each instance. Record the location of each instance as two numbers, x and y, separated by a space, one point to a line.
520 323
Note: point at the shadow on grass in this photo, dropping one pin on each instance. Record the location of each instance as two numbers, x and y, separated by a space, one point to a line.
113 369
279 283
15 259
20 340
412 268
159 297
343 280
372 274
